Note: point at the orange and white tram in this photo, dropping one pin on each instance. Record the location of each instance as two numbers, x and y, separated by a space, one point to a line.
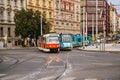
49 42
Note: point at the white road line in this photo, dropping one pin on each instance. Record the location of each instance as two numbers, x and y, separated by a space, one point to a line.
47 78
90 79
2 75
70 78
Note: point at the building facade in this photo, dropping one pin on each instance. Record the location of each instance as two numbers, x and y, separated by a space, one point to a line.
113 19
7 25
95 16
44 6
119 21
67 16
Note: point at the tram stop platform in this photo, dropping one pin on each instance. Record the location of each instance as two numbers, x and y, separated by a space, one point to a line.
102 47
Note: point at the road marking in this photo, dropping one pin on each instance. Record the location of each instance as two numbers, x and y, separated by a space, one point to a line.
10 77
102 63
91 79
70 78
47 78
2 75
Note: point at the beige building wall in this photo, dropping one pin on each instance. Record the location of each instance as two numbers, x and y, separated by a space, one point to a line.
7 25
119 21
67 16
113 19
45 6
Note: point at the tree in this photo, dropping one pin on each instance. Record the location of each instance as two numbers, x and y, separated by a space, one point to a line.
28 23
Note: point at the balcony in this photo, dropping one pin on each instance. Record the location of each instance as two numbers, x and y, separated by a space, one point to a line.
1 4
15 8
1 20
8 6
44 6
2 7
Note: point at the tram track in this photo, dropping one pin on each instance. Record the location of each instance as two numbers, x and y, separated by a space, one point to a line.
16 63
66 68
56 58
34 75
8 61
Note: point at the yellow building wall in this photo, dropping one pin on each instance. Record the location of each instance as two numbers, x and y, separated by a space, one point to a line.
46 7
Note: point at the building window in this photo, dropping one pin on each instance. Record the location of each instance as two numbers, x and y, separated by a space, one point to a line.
21 1
50 4
67 24
56 15
9 32
1 15
1 1
62 6
77 9
71 24
62 15
62 23
37 2
57 22
44 13
15 2
50 15
1 31
67 6
77 18
30 1
44 3
57 4
8 16
8 2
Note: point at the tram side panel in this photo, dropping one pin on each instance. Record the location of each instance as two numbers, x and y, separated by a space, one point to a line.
49 43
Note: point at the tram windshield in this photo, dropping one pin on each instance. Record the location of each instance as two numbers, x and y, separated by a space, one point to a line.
52 39
66 38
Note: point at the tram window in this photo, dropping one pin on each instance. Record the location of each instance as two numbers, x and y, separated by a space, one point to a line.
52 39
43 39
79 40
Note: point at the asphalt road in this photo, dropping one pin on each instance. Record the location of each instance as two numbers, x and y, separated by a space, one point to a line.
32 64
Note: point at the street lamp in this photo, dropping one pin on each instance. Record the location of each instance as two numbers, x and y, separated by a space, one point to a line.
96 22
93 29
83 28
41 25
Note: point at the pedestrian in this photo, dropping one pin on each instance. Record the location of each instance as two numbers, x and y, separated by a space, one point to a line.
113 43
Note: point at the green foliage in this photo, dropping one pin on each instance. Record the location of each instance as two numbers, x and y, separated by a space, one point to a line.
28 23
118 32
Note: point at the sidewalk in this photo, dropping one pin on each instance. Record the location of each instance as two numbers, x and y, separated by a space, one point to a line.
108 47
17 47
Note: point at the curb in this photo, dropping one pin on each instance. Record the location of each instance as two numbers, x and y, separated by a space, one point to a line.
116 52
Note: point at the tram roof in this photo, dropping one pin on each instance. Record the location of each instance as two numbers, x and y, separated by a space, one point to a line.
50 34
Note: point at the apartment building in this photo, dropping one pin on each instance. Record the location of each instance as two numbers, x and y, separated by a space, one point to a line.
119 21
95 16
67 16
44 6
7 25
113 19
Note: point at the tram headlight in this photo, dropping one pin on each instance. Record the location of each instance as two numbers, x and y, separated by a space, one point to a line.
58 45
50 46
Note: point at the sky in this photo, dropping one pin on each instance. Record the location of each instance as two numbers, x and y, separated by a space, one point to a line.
116 3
